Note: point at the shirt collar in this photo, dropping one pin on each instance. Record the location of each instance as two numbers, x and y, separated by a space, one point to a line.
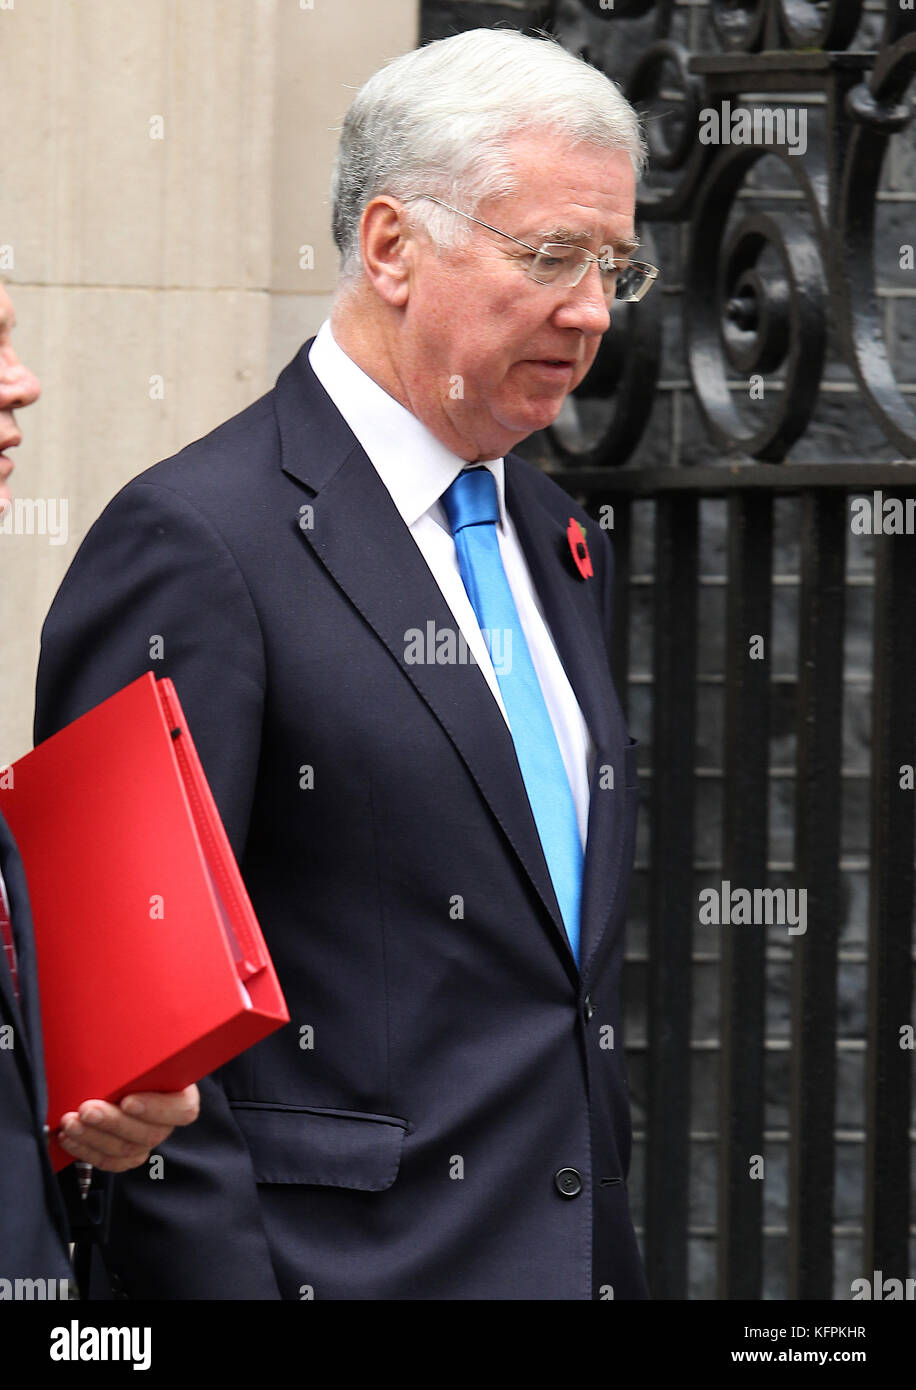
414 465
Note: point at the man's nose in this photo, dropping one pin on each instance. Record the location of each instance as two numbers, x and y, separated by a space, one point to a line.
584 305
18 385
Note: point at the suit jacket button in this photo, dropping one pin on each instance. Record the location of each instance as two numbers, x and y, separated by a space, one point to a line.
568 1182
46 1131
588 1008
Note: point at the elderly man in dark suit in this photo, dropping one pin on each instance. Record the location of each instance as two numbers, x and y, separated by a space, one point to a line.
391 639
34 1226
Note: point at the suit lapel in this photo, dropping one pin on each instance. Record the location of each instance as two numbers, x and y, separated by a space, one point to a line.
25 1012
360 538
567 607
358 535
10 1005
573 619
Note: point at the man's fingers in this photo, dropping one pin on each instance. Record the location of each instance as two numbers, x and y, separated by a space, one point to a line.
132 1157
107 1129
161 1108
101 1150
164 1108
115 1138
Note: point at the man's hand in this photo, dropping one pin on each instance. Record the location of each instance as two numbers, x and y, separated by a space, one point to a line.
117 1137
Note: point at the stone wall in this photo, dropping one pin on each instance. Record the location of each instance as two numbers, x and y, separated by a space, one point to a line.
164 235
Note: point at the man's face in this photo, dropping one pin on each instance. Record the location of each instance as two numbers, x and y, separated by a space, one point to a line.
18 388
488 356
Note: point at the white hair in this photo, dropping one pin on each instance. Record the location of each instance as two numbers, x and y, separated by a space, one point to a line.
437 120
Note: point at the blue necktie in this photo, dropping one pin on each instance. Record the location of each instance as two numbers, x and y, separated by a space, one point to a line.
472 507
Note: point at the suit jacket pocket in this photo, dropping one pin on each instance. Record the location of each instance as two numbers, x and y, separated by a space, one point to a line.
324 1148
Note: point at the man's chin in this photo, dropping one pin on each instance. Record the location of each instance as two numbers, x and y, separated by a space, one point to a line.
539 413
518 420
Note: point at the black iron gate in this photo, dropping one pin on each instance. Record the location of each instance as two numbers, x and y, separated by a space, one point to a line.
747 433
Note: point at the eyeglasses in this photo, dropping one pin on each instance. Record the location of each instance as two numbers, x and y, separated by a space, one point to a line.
558 263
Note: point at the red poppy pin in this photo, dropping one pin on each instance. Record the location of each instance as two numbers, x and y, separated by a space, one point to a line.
576 536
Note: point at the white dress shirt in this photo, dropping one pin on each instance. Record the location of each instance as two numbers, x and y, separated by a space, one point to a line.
416 468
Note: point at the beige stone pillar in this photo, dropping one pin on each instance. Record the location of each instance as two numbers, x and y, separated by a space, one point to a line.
164 235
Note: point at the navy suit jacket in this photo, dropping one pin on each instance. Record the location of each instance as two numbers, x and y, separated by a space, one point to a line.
445 1060
33 1222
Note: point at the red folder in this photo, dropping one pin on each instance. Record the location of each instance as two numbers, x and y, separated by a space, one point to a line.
152 969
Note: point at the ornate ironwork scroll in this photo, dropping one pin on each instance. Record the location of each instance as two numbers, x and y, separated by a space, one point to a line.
781 208
767 291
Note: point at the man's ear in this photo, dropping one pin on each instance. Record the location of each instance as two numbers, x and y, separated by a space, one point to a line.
387 246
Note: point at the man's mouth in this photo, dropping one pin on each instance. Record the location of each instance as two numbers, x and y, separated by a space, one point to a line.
12 441
6 468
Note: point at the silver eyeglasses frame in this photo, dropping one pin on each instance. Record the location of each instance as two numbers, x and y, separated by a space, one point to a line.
647 273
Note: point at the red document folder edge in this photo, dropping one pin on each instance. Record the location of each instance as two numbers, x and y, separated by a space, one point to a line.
152 969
